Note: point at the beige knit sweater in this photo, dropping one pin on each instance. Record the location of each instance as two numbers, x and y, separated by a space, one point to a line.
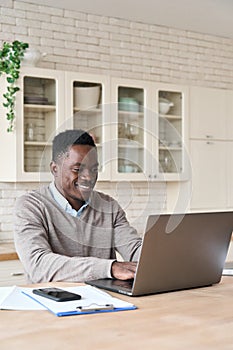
55 246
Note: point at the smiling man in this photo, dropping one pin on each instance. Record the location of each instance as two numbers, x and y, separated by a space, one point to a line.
67 231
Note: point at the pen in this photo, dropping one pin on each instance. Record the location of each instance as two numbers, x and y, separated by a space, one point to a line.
17 273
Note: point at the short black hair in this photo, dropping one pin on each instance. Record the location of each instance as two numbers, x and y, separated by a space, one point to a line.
64 140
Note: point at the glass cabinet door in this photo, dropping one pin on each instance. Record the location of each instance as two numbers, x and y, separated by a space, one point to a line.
171 106
39 122
130 130
130 147
41 106
87 107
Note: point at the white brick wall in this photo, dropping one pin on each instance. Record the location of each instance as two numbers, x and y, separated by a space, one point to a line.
137 199
105 45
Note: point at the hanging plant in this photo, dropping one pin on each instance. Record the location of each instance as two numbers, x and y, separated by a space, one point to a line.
11 56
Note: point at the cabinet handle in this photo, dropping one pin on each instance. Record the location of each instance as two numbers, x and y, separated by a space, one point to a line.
209 143
150 176
209 136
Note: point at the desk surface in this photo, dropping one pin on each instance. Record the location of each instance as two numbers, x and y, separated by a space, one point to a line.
193 319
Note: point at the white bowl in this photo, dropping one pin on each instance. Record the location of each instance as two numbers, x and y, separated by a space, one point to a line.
86 97
164 106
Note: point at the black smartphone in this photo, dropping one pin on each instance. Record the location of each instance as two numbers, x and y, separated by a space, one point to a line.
56 294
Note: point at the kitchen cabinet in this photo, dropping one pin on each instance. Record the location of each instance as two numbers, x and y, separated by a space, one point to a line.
229 114
12 273
26 152
209 176
211 135
229 173
88 108
170 103
208 113
131 142
135 138
47 104
230 148
150 142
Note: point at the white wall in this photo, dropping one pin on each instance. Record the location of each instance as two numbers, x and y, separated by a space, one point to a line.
105 45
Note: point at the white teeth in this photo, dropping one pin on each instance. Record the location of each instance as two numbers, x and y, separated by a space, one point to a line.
84 187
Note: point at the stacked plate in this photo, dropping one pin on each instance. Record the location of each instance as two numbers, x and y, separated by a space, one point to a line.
37 100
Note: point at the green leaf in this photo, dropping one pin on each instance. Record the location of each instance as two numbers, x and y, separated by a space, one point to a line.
10 80
15 75
10 115
6 95
12 89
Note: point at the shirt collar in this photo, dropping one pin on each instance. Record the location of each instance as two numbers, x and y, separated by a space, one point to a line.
62 201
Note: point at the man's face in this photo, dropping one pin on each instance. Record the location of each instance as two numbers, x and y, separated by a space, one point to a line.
76 173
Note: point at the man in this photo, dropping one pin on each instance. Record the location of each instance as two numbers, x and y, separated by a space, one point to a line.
67 231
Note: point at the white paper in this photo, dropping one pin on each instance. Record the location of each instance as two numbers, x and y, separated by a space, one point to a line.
4 291
14 299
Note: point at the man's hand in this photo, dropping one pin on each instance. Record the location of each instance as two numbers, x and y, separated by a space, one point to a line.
123 270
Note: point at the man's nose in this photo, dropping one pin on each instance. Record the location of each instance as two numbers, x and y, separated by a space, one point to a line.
86 174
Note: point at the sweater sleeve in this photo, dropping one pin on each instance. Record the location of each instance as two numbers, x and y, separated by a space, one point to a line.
41 264
126 239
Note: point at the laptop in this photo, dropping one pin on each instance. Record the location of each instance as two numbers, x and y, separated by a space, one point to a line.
179 251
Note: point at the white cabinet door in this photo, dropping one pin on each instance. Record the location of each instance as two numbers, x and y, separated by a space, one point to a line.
12 273
229 94
209 185
230 174
208 113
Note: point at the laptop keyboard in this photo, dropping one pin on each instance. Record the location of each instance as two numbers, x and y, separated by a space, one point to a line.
128 284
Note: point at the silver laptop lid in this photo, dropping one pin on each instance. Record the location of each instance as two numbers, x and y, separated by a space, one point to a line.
183 251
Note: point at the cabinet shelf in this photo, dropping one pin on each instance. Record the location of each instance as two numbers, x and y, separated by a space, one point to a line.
170 148
88 111
40 108
132 145
130 114
170 117
37 143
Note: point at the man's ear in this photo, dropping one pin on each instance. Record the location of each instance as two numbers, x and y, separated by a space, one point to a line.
53 168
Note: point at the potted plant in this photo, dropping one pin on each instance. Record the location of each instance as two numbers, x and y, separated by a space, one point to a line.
11 56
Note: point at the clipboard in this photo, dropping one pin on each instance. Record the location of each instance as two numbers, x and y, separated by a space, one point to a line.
93 301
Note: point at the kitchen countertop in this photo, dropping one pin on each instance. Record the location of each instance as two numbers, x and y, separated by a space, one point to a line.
7 251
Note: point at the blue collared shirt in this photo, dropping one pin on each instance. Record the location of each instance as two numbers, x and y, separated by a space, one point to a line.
60 199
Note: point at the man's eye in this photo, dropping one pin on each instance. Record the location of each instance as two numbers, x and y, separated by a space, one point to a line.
94 170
